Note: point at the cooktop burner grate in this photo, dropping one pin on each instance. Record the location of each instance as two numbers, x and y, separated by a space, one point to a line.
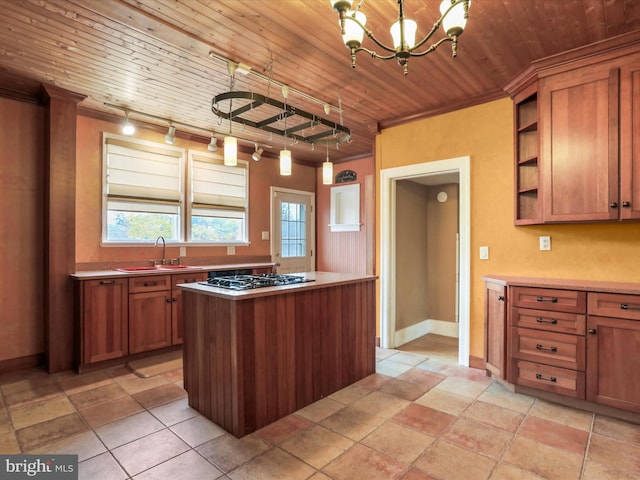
246 282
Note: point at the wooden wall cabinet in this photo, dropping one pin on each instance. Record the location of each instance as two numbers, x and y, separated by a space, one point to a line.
495 324
577 138
527 147
103 319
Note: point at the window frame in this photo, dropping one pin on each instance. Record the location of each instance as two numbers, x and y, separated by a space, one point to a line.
185 205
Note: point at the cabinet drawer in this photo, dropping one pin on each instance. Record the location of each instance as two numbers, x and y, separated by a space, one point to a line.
614 305
552 379
558 349
188 278
549 299
549 321
149 283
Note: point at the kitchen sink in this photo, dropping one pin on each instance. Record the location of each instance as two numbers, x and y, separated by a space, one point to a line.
136 269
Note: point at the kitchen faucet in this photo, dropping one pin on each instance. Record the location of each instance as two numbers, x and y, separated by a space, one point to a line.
164 248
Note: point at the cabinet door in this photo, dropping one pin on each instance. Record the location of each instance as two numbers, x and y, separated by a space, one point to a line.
579 144
495 329
630 139
104 321
149 321
613 356
177 322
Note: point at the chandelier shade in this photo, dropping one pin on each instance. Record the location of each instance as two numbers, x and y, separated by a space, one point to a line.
453 18
285 162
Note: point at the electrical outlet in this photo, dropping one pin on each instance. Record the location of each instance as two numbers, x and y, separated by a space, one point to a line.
231 250
484 253
183 251
545 243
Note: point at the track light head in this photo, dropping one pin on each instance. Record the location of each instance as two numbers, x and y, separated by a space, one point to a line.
257 155
213 144
170 137
127 127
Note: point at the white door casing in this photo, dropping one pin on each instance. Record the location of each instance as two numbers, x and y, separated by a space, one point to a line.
297 252
388 178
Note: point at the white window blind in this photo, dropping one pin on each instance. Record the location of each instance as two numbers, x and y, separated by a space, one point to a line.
215 185
137 170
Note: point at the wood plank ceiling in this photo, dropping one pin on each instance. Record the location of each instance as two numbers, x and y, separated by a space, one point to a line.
153 56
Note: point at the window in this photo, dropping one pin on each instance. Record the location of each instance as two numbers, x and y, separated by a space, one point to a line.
218 199
150 190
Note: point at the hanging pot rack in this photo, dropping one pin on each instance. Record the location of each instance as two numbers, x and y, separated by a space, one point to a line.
310 128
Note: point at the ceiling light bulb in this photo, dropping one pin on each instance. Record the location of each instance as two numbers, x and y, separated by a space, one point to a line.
327 173
213 144
285 162
454 22
230 151
353 33
410 28
170 137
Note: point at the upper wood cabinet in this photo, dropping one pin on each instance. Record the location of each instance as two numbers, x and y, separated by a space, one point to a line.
576 125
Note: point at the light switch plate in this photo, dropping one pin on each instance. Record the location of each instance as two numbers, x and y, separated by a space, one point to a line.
265 235
484 253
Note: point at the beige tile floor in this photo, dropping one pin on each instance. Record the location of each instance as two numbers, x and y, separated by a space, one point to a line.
417 418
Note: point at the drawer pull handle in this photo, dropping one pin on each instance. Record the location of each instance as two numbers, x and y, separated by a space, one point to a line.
626 204
547 299
149 284
548 379
107 282
548 349
551 321
626 306
168 300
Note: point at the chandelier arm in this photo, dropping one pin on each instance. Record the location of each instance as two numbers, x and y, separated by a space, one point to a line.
374 54
431 48
433 30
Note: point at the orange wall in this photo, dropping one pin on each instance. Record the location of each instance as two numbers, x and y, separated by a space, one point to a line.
343 251
262 175
608 251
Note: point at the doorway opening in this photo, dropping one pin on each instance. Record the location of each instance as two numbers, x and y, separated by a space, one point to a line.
394 210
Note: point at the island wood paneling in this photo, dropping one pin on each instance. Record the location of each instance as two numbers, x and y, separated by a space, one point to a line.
250 362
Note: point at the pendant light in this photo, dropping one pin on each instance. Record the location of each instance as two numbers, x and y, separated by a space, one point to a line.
327 170
285 155
230 142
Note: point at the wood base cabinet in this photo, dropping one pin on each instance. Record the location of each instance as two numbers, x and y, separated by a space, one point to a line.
577 340
613 345
495 325
103 319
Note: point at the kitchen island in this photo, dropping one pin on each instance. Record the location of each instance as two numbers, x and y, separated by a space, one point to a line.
254 356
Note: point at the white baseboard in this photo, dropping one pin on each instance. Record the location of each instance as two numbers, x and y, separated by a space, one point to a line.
438 327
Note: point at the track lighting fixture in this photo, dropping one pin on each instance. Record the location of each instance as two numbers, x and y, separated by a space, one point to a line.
257 154
170 137
213 144
127 127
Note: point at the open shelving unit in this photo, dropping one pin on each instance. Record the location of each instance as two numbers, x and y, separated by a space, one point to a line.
527 148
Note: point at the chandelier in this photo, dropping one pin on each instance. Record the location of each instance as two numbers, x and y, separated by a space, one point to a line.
454 15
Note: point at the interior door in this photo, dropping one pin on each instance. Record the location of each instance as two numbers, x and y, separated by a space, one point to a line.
292 230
